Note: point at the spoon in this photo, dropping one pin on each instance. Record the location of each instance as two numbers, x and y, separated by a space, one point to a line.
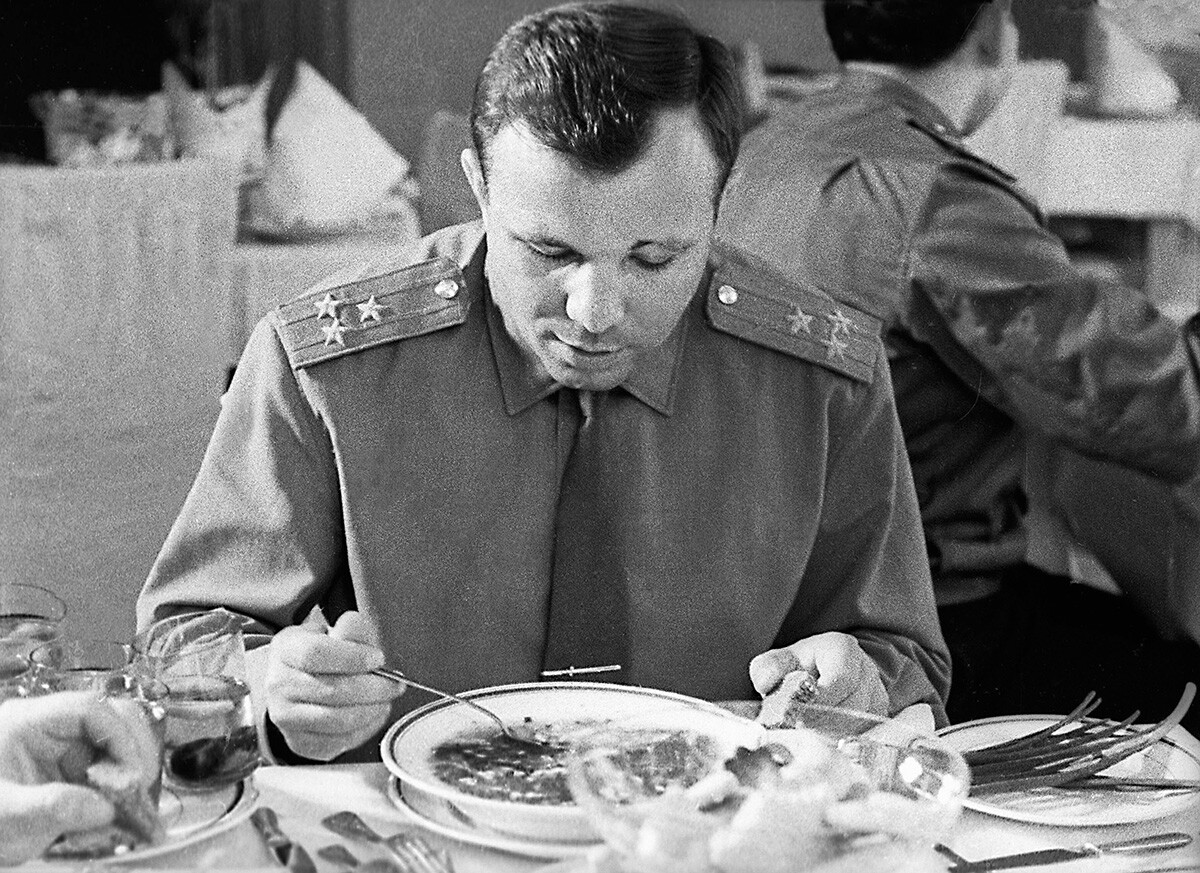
521 735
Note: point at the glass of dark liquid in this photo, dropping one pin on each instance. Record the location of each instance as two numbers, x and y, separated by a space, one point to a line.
210 739
30 616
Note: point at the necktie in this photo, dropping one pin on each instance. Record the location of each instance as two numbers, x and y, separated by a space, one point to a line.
588 612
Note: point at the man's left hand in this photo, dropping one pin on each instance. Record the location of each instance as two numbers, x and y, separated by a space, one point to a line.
847 676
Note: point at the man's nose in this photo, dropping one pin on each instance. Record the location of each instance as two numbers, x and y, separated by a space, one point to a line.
594 299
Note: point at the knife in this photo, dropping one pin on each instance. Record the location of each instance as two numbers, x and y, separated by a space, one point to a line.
283 850
1171 840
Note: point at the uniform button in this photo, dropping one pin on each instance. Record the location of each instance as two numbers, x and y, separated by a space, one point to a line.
727 294
446 289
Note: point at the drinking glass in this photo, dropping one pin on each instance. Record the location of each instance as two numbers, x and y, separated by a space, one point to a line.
105 667
210 739
29 617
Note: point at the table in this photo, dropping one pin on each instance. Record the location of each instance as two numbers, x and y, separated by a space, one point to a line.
304 795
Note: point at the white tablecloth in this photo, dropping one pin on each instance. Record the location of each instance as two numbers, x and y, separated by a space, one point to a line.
302 796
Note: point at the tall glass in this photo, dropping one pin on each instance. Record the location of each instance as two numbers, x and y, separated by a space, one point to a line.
30 616
104 666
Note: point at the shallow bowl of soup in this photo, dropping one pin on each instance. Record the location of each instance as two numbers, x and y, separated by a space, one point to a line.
447 751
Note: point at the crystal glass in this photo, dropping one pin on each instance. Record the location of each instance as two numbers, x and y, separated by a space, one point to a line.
193 644
210 736
103 666
844 785
210 739
29 617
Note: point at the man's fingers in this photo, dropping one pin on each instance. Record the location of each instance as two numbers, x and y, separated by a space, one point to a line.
121 728
353 626
768 669
314 653
333 690
39 814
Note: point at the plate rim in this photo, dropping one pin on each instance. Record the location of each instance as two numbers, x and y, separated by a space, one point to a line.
515 845
1187 744
449 793
235 813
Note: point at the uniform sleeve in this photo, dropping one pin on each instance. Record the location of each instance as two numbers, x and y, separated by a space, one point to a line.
1090 363
868 574
260 532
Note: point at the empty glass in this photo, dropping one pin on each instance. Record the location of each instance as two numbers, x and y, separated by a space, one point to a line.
105 667
29 617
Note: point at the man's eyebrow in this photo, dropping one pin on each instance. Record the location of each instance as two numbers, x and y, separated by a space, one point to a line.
669 243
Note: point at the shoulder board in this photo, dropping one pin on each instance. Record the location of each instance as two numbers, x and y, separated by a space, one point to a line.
338 318
751 300
954 144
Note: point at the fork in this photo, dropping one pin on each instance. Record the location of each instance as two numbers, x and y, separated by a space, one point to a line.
414 854
1053 756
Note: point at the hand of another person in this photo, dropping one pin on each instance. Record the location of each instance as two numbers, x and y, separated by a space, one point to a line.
319 689
846 674
46 746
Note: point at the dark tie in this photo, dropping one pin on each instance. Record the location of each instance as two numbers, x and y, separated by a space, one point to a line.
588 614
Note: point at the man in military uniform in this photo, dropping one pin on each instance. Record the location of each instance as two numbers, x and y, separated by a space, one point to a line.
571 436
867 191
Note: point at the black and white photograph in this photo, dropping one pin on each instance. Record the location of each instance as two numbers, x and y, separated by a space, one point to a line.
604 436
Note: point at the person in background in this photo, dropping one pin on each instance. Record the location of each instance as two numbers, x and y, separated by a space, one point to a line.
572 435
868 192
46 745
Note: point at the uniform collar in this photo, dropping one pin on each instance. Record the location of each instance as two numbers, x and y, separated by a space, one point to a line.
894 90
523 384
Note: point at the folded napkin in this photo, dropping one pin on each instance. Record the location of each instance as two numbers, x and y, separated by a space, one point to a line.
327 169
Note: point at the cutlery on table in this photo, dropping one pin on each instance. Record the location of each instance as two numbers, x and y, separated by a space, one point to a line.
1157 842
285 852
518 734
345 859
1073 748
411 851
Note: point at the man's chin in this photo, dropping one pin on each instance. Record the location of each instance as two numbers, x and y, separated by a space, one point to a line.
586 378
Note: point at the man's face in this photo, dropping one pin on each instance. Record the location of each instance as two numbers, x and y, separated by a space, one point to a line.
590 270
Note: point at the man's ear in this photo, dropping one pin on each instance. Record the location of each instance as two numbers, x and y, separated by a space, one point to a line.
473 170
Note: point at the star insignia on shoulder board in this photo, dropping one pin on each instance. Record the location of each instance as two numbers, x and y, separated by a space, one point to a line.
327 306
371 310
335 333
839 322
800 320
835 347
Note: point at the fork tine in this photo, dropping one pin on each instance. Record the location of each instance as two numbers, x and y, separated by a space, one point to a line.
418 854
1071 744
1089 703
1075 754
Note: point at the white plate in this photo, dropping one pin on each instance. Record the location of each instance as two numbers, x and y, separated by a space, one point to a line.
441 817
1176 756
408 745
187 818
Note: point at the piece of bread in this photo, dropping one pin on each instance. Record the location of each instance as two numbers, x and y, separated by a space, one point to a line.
783 707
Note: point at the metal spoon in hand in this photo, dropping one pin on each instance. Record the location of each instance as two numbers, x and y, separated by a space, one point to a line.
520 734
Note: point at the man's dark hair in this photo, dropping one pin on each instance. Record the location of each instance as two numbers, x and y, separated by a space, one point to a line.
588 79
909 33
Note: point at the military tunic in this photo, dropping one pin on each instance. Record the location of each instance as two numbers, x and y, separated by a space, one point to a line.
385 445
866 191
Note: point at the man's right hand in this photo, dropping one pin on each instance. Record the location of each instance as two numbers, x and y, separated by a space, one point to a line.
319 690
